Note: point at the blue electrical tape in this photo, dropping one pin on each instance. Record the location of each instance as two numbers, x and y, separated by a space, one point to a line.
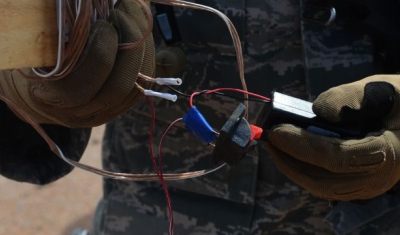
196 123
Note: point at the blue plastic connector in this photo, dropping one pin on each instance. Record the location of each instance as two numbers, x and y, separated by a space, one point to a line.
197 124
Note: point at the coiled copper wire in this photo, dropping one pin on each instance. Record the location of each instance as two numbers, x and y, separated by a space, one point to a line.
79 15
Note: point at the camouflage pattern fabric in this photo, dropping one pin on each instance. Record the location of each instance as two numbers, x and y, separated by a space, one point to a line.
334 51
254 197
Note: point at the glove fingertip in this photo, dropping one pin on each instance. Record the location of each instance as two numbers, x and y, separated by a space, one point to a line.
283 131
322 107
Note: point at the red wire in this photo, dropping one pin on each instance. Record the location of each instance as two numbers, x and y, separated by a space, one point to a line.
160 162
229 89
159 172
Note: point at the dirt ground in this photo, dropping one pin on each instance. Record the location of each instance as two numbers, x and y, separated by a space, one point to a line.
57 208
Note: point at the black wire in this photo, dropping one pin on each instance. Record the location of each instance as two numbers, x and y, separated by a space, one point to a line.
217 93
177 91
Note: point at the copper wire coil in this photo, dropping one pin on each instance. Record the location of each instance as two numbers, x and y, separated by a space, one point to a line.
78 16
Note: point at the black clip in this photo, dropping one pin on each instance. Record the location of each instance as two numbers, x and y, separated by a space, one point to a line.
234 140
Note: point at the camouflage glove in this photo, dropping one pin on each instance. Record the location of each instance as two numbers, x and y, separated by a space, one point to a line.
339 169
102 86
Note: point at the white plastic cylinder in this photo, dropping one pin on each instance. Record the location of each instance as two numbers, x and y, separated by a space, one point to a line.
166 96
169 81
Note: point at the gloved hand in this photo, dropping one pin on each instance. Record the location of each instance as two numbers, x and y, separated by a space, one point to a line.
102 86
338 169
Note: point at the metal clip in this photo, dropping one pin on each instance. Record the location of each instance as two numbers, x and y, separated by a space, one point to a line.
319 14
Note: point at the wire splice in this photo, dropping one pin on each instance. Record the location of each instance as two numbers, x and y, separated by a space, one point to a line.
197 124
166 96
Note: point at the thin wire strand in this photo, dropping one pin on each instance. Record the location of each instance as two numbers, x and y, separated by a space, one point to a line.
217 93
228 89
147 78
161 144
159 170
139 87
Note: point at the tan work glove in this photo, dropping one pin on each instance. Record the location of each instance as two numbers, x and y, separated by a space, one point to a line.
338 169
102 86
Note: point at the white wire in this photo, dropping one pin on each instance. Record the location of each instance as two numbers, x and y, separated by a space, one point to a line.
60 46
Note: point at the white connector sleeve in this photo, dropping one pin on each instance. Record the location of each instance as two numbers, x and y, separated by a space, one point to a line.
169 81
161 95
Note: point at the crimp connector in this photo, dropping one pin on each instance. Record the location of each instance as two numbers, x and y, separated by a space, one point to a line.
197 124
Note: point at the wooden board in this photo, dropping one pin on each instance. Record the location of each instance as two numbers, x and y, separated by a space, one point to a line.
28 33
